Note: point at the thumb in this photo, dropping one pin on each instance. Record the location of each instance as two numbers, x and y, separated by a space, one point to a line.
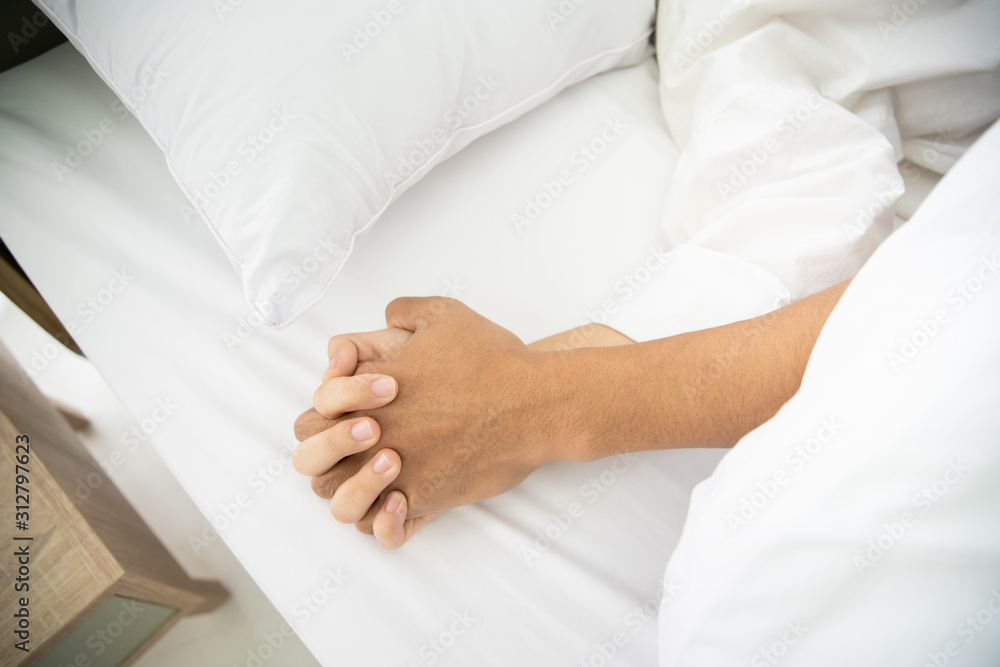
346 351
416 312
391 527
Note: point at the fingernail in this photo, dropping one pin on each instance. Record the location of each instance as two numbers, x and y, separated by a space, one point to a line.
392 503
362 431
381 464
330 367
383 387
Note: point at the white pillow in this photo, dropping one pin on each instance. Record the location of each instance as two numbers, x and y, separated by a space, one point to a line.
291 126
859 526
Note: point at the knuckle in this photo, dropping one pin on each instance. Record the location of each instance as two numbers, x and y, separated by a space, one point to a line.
360 388
371 513
387 538
297 459
395 304
301 427
338 341
415 504
319 397
322 487
440 304
331 439
310 423
339 514
342 505
339 395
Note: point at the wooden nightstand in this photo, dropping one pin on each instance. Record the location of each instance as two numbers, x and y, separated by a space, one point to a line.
84 580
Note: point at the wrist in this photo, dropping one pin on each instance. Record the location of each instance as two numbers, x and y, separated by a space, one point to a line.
557 415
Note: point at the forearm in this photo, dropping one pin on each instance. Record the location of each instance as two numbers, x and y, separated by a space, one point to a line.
476 411
701 389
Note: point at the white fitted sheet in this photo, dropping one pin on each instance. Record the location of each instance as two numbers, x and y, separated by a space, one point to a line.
162 339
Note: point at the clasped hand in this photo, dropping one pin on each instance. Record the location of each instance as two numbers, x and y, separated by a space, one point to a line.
441 391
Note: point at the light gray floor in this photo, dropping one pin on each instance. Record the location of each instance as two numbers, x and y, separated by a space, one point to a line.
238 632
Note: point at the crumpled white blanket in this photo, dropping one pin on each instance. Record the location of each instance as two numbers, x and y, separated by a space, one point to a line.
792 117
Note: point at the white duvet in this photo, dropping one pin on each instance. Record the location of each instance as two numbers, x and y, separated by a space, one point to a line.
791 118
859 525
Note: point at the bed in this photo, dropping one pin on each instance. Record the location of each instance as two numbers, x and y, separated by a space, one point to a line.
568 568
535 582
